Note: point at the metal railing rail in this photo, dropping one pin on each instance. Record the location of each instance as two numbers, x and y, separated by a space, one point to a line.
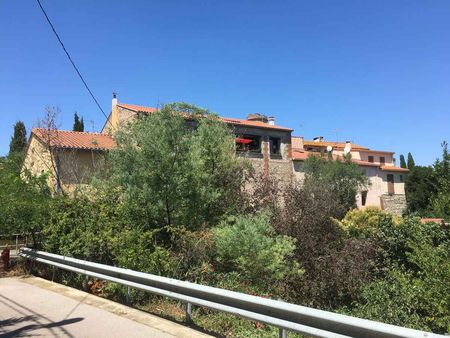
286 316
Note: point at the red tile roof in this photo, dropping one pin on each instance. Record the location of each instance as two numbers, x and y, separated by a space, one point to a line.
74 140
257 124
301 155
231 121
393 168
335 145
137 108
365 163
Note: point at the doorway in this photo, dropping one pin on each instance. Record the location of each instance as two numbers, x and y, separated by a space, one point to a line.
390 182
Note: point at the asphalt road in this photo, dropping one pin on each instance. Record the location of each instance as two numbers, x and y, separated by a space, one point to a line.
33 307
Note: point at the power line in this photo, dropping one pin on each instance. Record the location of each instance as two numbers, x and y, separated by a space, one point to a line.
71 61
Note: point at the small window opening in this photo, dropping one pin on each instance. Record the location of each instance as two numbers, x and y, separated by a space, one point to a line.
370 159
363 198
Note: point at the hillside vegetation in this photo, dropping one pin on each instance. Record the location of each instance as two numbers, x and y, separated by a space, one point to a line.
170 201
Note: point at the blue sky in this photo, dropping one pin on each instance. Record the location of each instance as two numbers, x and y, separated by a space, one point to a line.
378 72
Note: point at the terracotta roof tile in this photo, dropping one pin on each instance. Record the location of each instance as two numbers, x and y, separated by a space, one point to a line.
336 145
301 155
257 124
231 121
74 140
137 108
393 168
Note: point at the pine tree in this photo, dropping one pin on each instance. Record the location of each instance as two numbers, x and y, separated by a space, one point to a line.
19 139
77 124
411 163
402 161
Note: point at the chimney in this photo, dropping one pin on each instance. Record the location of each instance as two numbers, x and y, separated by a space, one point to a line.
271 120
114 117
257 117
114 99
318 139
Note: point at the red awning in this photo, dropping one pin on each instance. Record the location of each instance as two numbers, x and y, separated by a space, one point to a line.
243 140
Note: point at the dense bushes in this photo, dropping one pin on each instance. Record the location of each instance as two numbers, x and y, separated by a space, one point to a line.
413 282
24 200
335 265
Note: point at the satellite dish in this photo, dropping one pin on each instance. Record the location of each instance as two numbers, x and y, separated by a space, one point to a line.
329 149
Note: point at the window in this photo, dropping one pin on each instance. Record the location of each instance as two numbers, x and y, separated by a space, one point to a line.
401 178
363 197
382 160
251 143
370 159
274 143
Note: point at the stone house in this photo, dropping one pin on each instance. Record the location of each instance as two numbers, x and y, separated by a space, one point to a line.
68 157
387 181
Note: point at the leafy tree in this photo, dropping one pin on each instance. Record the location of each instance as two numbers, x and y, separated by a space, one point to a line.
342 178
18 142
410 163
402 161
420 188
176 168
335 266
24 207
78 125
440 203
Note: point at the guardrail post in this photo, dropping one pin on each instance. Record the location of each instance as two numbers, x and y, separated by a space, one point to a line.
128 297
282 333
189 313
85 283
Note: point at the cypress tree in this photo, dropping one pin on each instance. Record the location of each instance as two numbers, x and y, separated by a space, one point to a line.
411 163
77 124
19 139
402 161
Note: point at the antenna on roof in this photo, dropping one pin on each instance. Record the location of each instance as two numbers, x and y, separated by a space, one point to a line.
337 134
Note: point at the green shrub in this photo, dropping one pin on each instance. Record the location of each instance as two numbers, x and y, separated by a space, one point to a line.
366 222
414 290
250 246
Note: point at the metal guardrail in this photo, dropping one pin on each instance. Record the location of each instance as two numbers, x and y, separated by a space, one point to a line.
285 316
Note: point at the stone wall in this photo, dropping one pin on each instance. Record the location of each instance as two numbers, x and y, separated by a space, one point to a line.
394 204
